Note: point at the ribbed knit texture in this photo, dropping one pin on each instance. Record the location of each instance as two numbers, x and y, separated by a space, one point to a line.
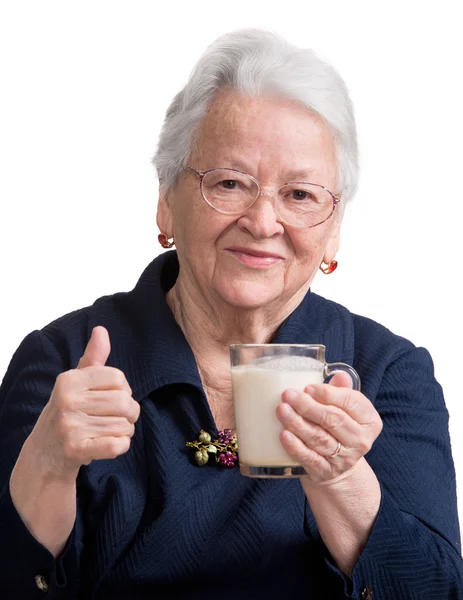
151 524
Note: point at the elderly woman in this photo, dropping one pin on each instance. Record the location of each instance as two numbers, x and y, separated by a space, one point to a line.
100 496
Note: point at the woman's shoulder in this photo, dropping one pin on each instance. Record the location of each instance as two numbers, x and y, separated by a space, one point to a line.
369 338
120 312
70 332
379 355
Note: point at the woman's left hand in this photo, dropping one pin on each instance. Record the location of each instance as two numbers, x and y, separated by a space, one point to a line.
317 419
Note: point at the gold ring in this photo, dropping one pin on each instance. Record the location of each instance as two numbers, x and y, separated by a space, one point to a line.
336 452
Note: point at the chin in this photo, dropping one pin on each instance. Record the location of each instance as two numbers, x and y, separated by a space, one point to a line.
249 295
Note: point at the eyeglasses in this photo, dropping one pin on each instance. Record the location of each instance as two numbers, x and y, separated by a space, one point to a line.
299 204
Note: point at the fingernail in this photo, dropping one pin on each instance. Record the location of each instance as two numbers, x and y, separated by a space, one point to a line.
290 396
310 389
286 409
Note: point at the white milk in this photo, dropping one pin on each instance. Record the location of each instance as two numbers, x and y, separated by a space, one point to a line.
257 390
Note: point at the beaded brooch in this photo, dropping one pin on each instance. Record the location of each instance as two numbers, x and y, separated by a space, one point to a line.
224 449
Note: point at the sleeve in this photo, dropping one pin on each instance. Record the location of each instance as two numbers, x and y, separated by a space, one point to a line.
28 569
413 550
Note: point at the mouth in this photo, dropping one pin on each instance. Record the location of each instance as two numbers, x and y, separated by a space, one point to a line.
255 258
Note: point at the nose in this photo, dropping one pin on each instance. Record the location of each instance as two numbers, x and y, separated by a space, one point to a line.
261 219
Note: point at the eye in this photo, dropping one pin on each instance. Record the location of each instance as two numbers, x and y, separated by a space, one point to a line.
302 195
229 184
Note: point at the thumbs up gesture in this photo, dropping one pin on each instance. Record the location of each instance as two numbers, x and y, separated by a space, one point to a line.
90 414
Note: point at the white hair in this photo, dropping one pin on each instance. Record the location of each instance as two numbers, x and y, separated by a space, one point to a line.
258 62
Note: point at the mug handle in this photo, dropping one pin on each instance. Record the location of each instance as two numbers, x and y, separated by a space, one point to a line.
332 368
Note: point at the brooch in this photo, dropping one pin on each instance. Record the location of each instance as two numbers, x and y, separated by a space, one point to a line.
224 449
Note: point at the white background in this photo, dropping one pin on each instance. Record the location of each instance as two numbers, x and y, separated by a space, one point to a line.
85 86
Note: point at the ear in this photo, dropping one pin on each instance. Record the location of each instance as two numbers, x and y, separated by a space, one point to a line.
332 246
164 217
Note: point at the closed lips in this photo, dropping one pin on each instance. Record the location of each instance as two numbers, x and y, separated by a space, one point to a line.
258 253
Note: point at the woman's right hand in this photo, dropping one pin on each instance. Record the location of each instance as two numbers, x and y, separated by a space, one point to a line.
90 414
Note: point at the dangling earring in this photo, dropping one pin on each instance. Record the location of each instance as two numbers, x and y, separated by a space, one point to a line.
164 241
332 266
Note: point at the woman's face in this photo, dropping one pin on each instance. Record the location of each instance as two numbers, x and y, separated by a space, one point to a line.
276 141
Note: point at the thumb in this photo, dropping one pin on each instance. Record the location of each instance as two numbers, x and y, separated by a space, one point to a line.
97 350
341 379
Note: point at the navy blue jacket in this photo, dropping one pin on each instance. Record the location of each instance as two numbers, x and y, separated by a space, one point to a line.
151 524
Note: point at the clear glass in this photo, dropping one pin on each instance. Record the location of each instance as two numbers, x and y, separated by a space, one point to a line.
298 203
260 374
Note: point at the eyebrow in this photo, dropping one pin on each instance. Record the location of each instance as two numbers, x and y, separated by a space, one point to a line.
303 175
296 175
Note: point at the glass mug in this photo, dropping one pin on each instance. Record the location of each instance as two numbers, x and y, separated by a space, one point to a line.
260 374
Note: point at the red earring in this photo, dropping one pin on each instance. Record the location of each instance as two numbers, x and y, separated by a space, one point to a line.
332 266
164 241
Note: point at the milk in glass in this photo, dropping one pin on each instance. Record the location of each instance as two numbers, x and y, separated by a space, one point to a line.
257 390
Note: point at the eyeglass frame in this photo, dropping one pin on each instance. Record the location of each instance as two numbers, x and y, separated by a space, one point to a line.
202 174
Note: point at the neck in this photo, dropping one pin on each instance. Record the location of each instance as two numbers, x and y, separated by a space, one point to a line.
210 328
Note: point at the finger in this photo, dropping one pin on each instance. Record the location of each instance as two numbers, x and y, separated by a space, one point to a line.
101 378
114 403
97 350
104 447
352 402
303 455
108 427
335 422
313 436
341 379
